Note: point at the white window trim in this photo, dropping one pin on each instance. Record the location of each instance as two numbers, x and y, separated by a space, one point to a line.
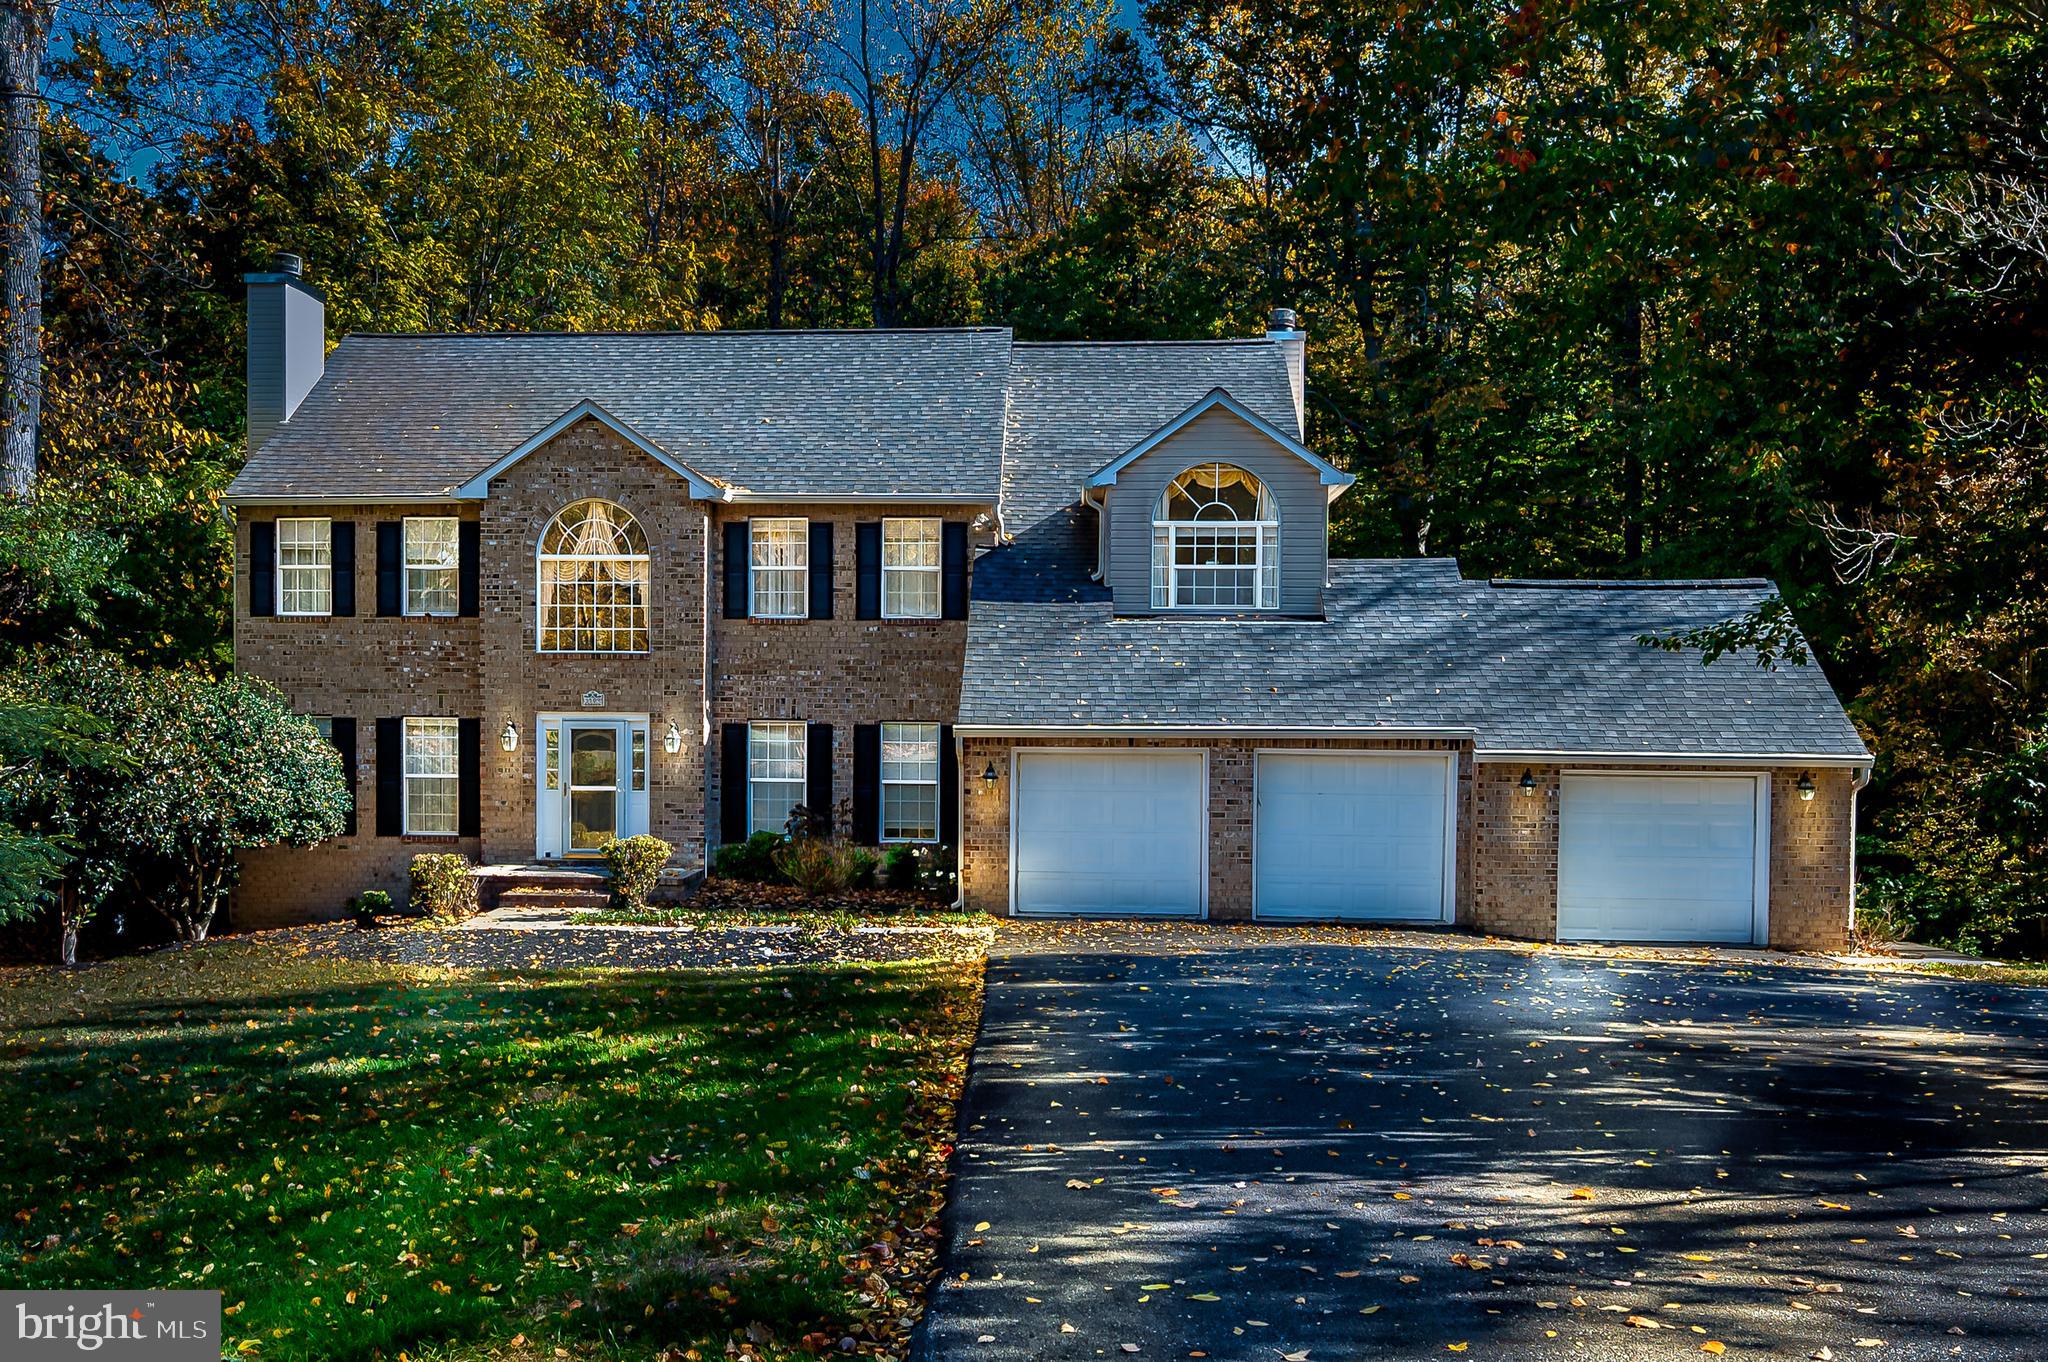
935 571
407 776
278 568
407 567
1266 532
938 799
803 762
802 568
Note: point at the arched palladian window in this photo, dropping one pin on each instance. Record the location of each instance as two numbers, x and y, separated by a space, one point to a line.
1215 542
593 581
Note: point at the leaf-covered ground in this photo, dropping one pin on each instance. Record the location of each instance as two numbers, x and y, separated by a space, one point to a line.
372 1161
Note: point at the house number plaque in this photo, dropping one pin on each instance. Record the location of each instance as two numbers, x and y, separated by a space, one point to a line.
593 699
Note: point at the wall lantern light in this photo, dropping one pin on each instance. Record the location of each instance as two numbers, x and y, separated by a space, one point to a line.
1527 784
672 740
989 777
1805 785
508 736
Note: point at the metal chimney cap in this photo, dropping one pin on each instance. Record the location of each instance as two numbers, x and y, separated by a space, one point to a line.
284 262
1283 319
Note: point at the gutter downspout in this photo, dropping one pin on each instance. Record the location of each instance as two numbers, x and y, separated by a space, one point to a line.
1862 778
704 690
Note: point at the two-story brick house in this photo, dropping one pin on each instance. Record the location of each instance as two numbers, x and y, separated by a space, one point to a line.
1068 608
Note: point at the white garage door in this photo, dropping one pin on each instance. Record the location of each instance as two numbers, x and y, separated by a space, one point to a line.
1108 832
1352 835
1658 858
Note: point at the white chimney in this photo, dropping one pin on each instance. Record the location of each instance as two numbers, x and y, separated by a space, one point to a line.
287 344
1284 330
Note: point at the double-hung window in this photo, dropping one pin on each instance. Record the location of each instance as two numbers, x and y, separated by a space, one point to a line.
433 773
779 564
305 566
1215 542
910 569
910 782
775 774
431 556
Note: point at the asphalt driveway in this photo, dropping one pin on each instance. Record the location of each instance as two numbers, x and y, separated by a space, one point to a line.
1204 1145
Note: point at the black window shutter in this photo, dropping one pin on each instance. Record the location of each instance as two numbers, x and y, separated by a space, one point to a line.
342 733
867 583
390 567
469 789
341 547
954 562
262 567
390 778
949 788
821 569
867 782
469 570
738 558
732 783
818 776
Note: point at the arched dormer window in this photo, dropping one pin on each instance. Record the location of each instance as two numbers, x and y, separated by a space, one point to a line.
593 581
1215 542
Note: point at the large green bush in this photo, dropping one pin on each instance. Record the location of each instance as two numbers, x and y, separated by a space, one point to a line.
635 864
208 767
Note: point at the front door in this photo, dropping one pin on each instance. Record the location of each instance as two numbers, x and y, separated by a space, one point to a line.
593 789
593 782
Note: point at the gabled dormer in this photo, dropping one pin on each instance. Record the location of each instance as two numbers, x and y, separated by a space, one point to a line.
1218 512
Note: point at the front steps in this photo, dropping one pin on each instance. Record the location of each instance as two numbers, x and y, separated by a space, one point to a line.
561 889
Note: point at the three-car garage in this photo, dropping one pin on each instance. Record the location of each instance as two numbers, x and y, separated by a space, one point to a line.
1335 835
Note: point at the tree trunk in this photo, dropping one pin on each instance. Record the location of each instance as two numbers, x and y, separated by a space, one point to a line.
24 29
68 921
1629 408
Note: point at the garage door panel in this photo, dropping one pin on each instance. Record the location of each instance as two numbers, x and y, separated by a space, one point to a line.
1109 832
1657 858
1357 836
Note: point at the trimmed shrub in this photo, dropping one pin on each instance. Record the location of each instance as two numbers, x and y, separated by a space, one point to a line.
635 864
753 859
899 868
813 865
939 871
442 886
365 906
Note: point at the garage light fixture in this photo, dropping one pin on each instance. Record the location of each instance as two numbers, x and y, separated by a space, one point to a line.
989 777
1527 785
1805 785
672 741
508 736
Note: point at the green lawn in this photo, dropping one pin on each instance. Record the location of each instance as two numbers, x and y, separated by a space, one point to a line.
369 1161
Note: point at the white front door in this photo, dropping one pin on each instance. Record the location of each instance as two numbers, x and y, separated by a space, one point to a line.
1358 836
1114 832
1661 858
593 783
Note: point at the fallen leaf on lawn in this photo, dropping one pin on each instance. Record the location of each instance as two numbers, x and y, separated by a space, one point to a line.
1581 1194
1642 1322
1712 1347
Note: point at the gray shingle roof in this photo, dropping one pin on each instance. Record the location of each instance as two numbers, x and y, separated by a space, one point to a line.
779 412
1530 666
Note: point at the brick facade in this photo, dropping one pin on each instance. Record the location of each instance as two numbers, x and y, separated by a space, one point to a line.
841 671
1507 842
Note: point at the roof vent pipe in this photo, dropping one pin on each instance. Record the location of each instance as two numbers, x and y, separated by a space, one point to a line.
1283 328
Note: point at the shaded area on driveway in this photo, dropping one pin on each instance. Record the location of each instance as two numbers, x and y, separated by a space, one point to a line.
1219 1146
